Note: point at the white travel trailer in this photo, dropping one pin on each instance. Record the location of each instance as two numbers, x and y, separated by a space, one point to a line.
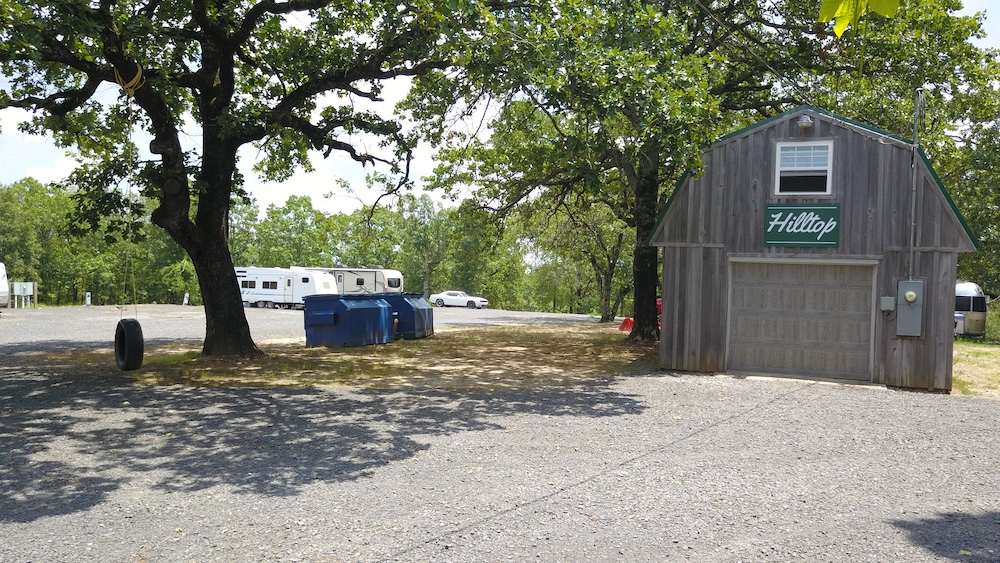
282 287
970 309
4 287
354 281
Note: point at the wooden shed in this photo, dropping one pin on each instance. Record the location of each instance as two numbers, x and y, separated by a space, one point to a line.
791 255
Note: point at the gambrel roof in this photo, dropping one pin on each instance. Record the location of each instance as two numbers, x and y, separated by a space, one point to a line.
839 123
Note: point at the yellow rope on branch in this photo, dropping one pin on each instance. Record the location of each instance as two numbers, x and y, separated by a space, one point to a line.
132 85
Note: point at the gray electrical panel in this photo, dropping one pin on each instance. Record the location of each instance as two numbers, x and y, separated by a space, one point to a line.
909 307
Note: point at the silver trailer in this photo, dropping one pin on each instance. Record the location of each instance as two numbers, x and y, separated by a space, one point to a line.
970 309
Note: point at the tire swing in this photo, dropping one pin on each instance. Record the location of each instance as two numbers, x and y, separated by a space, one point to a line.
129 345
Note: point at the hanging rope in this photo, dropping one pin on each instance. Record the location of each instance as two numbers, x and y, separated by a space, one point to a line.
129 343
132 85
128 228
127 274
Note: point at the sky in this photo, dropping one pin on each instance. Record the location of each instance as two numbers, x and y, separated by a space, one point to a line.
24 156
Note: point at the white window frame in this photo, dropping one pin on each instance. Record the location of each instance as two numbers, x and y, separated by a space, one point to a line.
828 167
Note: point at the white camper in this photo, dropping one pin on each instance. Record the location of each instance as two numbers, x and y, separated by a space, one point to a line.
282 287
970 309
354 281
4 287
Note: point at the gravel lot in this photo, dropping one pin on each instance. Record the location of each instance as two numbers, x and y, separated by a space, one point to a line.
654 467
69 328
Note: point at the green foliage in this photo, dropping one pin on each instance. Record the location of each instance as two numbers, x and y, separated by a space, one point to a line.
582 257
974 177
293 234
38 243
242 233
424 249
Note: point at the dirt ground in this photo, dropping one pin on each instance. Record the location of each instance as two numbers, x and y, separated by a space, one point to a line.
485 359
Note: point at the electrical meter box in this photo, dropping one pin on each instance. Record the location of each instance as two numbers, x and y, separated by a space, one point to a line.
909 307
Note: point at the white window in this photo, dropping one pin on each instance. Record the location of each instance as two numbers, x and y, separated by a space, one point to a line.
804 168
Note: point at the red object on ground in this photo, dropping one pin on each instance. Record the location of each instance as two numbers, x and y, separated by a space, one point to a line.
628 323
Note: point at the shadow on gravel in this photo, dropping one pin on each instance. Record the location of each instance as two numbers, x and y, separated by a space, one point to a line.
957 536
66 443
57 346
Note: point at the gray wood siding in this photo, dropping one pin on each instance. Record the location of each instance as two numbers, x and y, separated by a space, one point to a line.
923 362
692 330
720 215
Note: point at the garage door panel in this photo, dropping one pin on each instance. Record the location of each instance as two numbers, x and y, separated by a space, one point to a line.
801 319
771 329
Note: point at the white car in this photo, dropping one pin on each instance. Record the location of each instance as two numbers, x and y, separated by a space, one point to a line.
452 298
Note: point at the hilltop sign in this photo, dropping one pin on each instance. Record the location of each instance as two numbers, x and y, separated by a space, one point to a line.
802 225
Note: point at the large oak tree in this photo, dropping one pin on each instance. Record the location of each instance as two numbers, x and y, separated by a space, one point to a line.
199 80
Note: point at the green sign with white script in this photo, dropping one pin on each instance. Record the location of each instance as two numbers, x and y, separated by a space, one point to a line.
802 225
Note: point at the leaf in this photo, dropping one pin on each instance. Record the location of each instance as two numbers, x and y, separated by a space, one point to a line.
849 12
843 12
886 8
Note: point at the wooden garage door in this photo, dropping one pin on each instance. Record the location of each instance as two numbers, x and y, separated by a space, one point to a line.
811 320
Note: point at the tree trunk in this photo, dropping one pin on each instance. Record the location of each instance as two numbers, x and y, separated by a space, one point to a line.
619 301
206 240
227 332
605 278
644 269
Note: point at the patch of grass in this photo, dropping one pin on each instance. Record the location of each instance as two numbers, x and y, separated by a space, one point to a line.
993 323
976 369
170 359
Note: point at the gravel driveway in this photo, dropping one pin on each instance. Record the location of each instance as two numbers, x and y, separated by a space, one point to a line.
654 467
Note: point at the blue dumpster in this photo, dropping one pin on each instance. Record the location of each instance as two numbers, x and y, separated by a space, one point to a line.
414 315
347 320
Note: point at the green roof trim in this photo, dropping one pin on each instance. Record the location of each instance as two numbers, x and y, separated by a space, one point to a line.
947 197
807 108
814 109
666 206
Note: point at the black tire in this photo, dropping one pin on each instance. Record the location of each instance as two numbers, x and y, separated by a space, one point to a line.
129 345
439 302
471 304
